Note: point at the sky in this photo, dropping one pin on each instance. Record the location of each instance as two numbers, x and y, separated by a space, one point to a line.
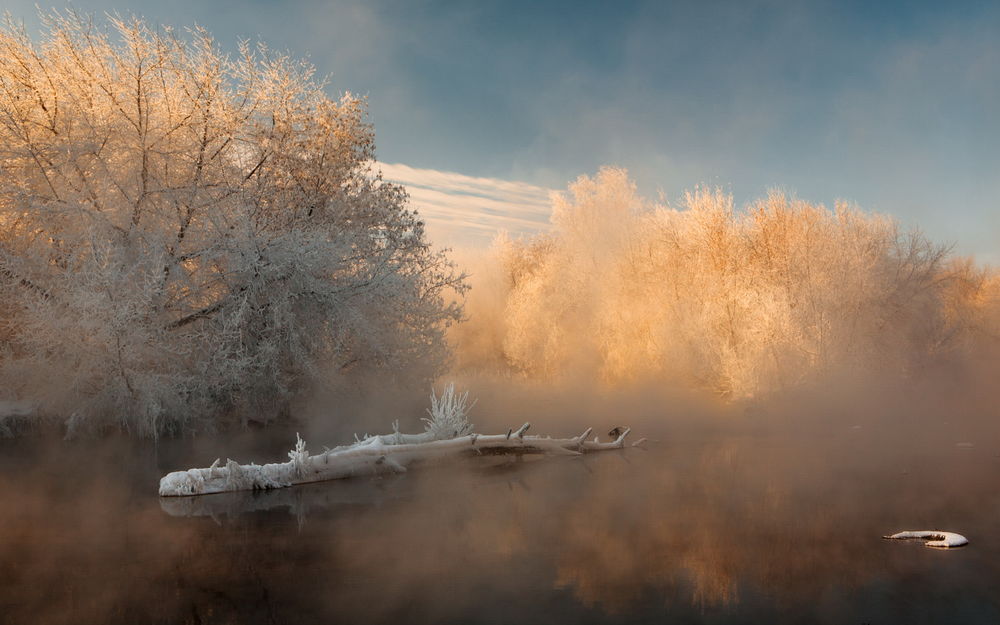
889 105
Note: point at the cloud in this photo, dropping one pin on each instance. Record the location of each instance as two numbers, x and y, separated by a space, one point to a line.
466 211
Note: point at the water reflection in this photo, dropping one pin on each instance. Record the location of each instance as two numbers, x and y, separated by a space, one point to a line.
759 526
299 501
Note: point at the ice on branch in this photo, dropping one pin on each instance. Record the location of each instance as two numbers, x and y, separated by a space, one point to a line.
938 539
448 434
449 414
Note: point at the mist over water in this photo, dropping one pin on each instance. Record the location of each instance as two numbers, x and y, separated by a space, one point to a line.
758 512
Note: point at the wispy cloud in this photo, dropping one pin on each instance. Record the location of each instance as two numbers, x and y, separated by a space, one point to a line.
465 211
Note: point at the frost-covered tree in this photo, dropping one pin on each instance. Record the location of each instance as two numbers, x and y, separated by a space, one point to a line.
740 302
186 235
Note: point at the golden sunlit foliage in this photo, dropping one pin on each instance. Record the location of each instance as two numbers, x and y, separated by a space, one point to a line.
737 301
185 235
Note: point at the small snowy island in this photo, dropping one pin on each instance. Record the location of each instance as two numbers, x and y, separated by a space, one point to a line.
937 538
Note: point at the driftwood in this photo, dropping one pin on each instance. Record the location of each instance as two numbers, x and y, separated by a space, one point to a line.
448 433
371 456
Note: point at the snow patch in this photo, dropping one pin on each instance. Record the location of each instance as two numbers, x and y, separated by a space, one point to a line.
938 539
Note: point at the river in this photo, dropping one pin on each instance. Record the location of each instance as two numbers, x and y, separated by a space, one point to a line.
735 520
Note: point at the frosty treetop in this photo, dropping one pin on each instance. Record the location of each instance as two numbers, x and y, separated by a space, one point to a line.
183 233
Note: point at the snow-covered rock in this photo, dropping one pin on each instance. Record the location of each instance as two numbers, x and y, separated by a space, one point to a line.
938 539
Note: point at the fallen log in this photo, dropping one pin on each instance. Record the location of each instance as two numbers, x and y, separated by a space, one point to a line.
446 435
369 457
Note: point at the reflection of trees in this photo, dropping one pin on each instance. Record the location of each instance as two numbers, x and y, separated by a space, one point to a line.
697 538
736 523
780 522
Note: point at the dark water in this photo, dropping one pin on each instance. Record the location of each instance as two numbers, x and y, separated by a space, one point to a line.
725 523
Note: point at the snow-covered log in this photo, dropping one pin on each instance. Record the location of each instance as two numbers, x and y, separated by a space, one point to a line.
938 539
448 433
371 456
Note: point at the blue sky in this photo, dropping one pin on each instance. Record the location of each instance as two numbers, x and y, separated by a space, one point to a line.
890 105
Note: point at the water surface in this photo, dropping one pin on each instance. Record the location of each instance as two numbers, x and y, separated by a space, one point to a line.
726 523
